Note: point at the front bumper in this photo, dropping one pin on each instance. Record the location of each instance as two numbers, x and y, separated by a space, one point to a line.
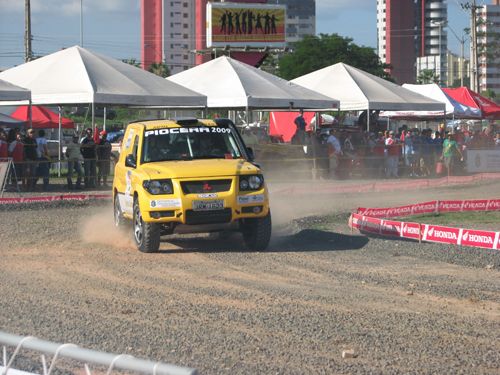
204 208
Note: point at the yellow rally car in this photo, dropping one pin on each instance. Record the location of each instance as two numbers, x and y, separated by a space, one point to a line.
189 175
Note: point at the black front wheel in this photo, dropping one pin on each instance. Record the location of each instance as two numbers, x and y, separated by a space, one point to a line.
146 235
257 232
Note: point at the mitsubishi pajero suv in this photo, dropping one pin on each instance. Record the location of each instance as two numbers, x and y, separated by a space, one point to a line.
189 176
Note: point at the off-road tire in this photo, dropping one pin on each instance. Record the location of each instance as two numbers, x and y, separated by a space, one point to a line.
146 235
257 232
119 220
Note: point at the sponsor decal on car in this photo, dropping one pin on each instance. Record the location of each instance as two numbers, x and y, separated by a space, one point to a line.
244 199
165 203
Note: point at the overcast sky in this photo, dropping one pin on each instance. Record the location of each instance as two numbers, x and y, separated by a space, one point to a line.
112 27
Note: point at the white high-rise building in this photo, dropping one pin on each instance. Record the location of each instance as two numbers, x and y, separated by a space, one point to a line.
489 47
179 34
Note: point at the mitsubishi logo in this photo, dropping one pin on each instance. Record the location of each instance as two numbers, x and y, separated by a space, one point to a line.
207 187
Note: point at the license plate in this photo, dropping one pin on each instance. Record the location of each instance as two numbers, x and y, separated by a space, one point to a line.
217 204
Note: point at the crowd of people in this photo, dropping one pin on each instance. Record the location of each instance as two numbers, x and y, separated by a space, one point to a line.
393 154
88 158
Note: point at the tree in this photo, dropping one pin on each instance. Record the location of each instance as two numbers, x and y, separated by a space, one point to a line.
490 94
427 76
316 52
133 62
160 69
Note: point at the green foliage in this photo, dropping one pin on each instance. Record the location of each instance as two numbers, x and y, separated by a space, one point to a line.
489 93
316 52
160 69
133 62
427 76
456 83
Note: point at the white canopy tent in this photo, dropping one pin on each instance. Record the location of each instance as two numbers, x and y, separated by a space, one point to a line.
13 93
229 83
77 76
359 90
454 109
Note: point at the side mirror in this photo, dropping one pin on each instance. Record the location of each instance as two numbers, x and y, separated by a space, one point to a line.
250 153
130 161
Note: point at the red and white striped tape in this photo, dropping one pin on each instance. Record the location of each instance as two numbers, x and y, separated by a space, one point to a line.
371 220
53 198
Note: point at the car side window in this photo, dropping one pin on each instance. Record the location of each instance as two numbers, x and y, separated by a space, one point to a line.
135 147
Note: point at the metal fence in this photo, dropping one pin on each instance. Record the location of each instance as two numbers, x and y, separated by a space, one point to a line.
85 357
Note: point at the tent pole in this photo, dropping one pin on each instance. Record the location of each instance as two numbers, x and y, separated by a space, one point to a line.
93 117
368 118
30 115
104 125
60 144
313 144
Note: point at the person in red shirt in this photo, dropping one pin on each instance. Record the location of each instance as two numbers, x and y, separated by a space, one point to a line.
392 160
4 148
16 152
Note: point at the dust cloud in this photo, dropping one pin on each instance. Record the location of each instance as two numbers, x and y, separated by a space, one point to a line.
99 228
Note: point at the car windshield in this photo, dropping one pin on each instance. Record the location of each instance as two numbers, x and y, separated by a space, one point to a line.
189 143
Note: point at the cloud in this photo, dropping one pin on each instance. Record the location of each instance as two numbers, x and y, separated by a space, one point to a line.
72 7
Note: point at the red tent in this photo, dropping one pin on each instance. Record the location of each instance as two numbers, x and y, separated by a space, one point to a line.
42 117
464 95
282 123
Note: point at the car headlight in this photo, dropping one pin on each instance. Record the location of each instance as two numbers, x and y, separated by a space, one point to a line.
253 182
156 187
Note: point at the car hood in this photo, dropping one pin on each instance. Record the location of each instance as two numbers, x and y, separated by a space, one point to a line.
199 168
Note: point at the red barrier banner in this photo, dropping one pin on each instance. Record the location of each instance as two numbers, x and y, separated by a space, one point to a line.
391 228
450 206
475 205
479 238
493 205
437 233
53 198
411 230
370 224
424 208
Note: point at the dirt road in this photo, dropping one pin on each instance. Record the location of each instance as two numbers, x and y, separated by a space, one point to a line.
67 275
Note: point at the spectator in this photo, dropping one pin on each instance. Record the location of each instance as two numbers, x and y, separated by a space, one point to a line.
30 158
450 149
392 160
497 140
42 153
103 159
88 151
300 134
249 137
74 163
4 149
16 152
334 153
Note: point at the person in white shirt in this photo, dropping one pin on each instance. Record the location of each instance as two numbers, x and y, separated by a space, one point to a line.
74 163
334 152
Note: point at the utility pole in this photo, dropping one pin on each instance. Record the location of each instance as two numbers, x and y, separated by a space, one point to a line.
474 73
462 54
28 53
81 23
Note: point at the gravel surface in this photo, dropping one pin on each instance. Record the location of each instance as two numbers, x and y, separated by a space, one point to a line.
68 276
